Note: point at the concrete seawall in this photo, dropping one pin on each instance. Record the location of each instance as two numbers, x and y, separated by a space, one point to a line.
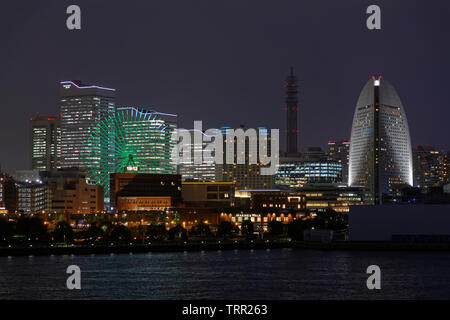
143 248
223 245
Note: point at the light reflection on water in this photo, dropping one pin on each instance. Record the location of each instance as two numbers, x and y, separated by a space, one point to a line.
236 274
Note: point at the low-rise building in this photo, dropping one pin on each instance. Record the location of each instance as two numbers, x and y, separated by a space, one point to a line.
320 198
208 194
84 197
144 191
69 192
143 203
298 172
277 199
32 197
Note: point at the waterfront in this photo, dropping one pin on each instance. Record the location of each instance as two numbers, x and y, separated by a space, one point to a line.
235 274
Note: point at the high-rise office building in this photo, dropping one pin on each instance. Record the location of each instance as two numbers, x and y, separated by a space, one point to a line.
430 167
207 171
291 108
246 175
83 107
339 151
45 139
380 148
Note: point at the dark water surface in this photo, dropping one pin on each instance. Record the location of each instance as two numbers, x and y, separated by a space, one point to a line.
238 274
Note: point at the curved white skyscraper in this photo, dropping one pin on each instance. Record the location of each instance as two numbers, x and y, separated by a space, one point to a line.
380 145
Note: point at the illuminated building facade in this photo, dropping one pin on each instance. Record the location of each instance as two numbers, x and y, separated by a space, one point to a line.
380 149
32 197
83 197
206 171
262 206
260 218
45 140
69 192
144 191
28 176
143 203
83 107
339 151
430 167
321 198
246 175
278 200
287 173
295 173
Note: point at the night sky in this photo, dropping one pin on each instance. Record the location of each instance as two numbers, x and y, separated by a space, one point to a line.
224 62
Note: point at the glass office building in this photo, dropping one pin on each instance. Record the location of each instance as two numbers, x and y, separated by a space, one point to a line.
207 170
82 108
431 167
45 139
380 149
296 174
246 175
340 151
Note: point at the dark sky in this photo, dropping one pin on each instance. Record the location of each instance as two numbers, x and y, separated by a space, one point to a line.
224 62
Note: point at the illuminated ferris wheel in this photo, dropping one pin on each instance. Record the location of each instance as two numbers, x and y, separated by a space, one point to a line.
130 140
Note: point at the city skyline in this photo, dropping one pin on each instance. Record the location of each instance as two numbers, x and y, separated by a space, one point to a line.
196 72
301 148
224 158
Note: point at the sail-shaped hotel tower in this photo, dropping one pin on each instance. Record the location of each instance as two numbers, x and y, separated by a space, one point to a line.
380 148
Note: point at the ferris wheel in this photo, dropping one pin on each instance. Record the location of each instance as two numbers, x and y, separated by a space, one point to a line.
130 140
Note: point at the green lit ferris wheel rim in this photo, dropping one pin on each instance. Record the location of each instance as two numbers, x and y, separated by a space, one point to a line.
131 139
